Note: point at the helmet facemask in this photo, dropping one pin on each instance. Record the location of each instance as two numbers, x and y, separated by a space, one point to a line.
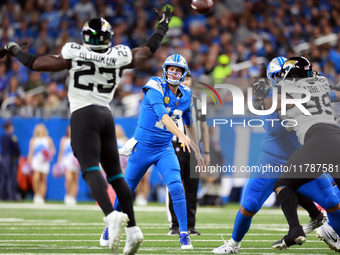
174 78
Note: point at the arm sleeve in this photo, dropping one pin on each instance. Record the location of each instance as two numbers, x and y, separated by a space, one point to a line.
333 96
156 100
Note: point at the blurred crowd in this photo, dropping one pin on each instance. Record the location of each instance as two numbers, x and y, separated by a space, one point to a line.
233 43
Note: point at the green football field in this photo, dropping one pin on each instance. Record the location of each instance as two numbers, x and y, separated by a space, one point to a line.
53 228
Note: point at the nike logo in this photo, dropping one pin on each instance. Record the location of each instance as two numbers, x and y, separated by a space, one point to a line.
331 237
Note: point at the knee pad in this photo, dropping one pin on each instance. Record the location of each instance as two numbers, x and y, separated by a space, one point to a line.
251 205
176 191
331 201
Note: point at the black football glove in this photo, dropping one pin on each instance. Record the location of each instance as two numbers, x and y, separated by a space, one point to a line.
12 48
163 20
260 90
258 103
3 52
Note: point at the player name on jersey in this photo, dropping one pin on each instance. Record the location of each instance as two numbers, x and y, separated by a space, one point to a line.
100 59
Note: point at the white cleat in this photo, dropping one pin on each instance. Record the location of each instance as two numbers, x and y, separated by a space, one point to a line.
116 222
104 238
327 234
134 239
230 247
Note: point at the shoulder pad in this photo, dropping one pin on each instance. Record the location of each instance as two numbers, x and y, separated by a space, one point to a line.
69 50
123 54
156 83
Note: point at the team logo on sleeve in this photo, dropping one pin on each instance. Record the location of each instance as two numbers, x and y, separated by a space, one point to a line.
166 100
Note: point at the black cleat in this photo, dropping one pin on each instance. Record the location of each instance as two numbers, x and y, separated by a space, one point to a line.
194 232
173 231
296 236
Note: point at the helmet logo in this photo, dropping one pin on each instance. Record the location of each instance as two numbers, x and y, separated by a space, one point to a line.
289 63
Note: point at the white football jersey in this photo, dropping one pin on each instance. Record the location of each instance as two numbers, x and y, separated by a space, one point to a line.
94 76
319 105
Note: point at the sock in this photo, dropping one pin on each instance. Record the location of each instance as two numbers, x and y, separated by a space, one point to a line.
308 205
334 221
241 226
289 204
97 185
176 191
125 198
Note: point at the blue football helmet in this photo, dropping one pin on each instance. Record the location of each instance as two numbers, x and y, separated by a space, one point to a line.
274 68
97 34
179 61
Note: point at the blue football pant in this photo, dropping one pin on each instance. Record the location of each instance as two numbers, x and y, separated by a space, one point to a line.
165 160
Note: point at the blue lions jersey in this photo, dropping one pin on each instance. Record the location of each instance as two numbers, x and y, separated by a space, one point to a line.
160 100
277 142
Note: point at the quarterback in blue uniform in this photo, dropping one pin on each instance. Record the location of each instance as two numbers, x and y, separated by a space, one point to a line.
276 148
165 101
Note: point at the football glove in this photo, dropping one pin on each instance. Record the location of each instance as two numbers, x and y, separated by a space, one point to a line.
258 103
260 90
12 48
163 19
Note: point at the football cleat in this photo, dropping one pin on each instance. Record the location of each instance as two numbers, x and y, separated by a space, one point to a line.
315 223
193 232
184 239
134 239
230 247
116 222
104 238
327 234
295 236
173 231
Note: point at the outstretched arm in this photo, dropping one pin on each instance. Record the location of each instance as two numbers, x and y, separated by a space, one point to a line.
140 55
52 63
171 126
44 63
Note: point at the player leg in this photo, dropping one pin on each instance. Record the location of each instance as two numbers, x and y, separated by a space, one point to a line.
86 144
139 162
168 166
286 186
110 162
326 198
174 227
317 217
256 193
109 159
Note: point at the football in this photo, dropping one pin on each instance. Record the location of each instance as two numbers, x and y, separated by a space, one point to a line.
202 6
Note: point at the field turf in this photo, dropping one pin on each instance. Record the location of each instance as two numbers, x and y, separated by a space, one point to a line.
54 228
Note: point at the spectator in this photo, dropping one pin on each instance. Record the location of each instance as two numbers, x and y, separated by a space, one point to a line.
10 153
40 154
222 70
68 161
